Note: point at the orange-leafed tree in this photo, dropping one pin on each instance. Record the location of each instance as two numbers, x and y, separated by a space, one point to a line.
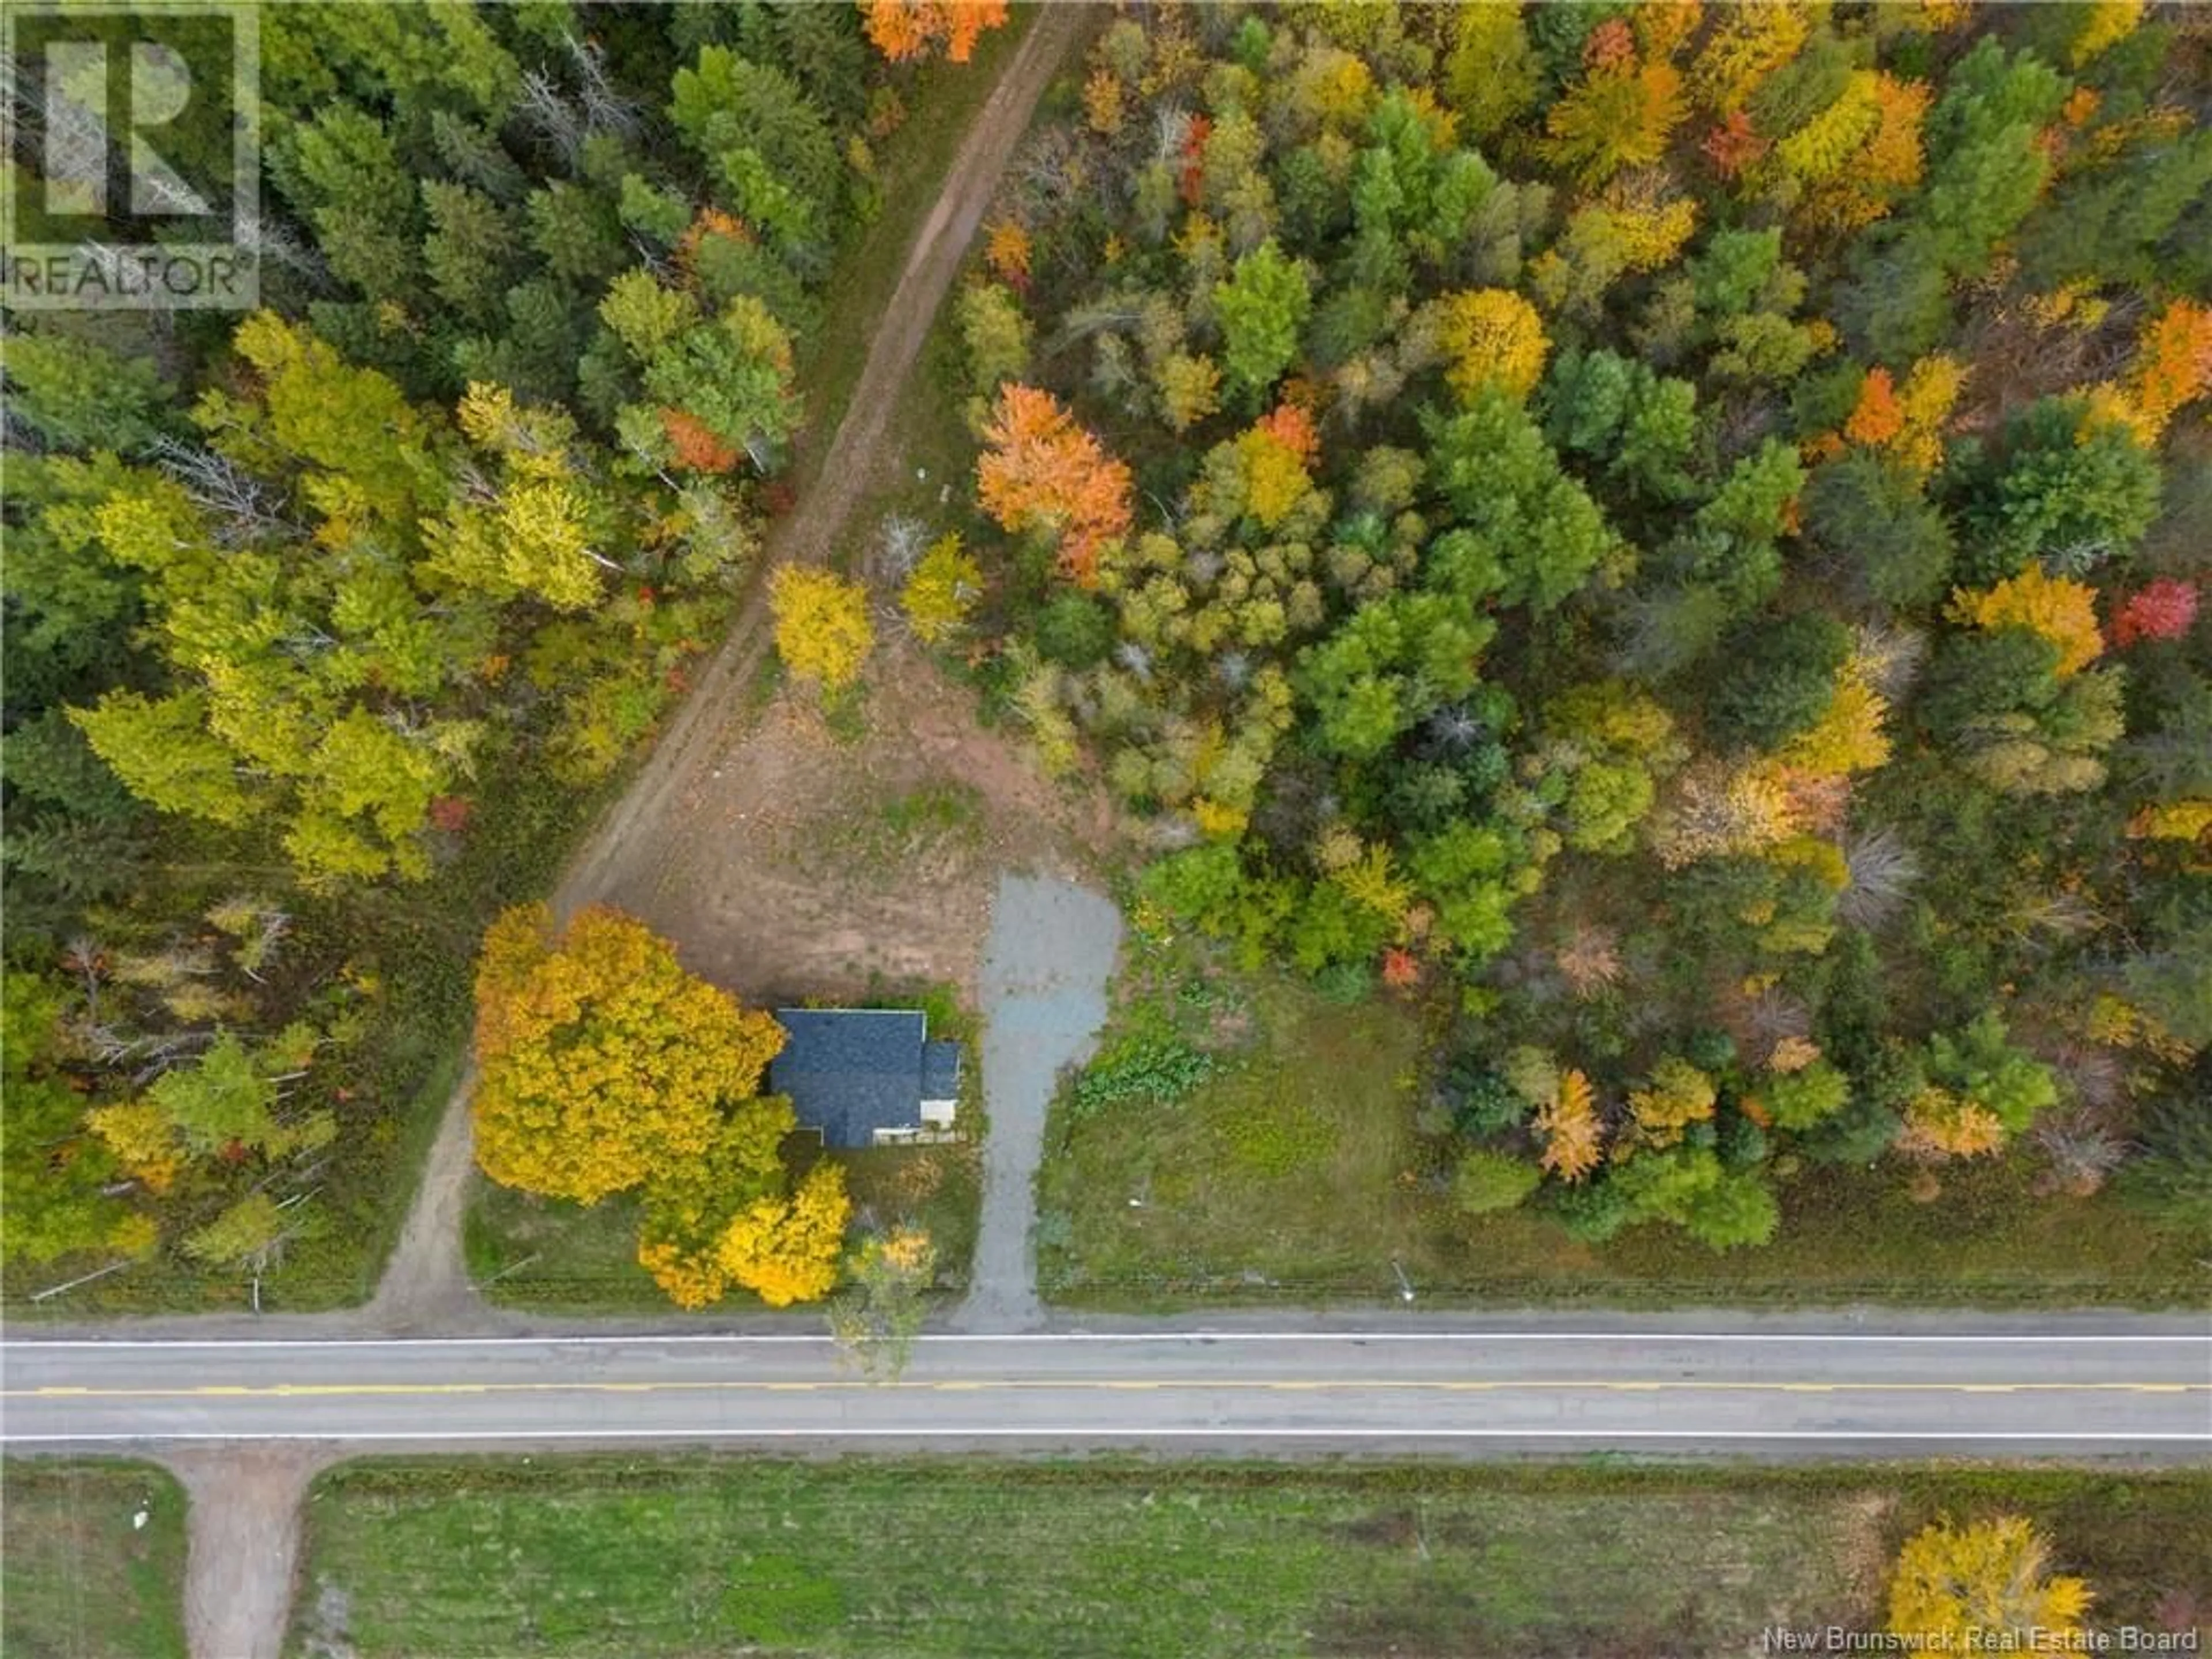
1042 472
1876 418
601 1061
2174 362
903 30
1735 147
1572 1133
693 446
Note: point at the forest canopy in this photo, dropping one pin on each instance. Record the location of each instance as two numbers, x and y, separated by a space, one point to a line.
325 623
1668 536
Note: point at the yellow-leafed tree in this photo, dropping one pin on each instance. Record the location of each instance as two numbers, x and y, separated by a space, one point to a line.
1849 736
2063 611
1573 1134
1491 336
1618 116
1750 42
942 590
1984 1586
1679 1095
691 1203
1940 1125
822 628
785 1250
601 1061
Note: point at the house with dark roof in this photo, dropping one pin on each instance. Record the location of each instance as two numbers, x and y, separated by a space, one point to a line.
866 1077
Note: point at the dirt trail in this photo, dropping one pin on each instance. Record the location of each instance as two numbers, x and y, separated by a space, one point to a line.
425 1285
243 1545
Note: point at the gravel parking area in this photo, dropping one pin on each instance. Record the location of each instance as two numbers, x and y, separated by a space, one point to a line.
1045 970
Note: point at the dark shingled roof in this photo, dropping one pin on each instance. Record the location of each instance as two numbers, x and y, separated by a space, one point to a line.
850 1072
940 1071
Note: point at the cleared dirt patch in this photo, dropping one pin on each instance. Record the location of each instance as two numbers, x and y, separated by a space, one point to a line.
245 1548
816 857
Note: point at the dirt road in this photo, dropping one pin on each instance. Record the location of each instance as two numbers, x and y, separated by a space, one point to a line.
244 1546
425 1285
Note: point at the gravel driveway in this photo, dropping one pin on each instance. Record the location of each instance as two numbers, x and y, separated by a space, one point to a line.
1045 969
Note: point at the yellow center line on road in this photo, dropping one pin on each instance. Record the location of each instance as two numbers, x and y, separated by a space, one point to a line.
283 1390
1442 1385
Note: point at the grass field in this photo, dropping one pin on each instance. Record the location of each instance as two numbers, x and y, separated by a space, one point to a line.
528 1252
968 1560
1294 1170
78 1579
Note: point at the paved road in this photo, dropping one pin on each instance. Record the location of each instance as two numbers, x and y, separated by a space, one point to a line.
2079 1393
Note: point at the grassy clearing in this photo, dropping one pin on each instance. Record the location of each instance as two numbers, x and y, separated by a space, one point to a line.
1294 1170
1291 1164
969 1559
904 828
78 1579
528 1252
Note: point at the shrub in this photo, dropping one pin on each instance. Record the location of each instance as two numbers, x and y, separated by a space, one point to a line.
1162 1070
1491 1181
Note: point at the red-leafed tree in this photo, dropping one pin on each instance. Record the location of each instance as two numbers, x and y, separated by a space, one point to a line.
1401 968
2162 610
1734 145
